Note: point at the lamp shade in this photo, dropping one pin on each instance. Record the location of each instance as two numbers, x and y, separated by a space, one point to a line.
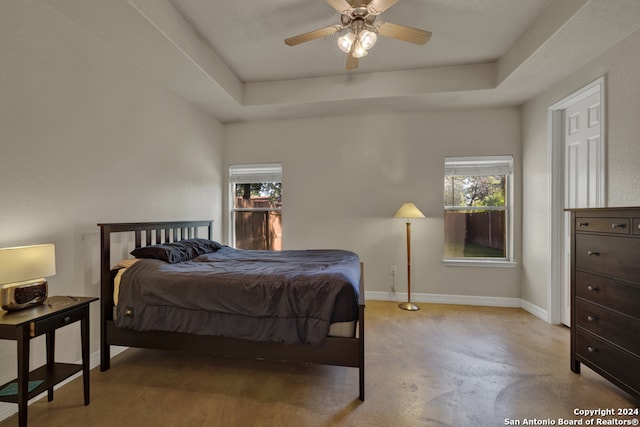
345 42
27 262
408 210
367 38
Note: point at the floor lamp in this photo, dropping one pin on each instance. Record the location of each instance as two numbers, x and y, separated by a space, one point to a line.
408 211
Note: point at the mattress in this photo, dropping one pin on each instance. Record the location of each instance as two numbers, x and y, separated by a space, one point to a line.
286 296
336 329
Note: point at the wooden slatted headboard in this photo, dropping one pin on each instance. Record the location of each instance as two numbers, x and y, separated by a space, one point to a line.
154 233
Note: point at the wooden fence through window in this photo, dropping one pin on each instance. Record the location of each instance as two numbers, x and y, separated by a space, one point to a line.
484 229
257 229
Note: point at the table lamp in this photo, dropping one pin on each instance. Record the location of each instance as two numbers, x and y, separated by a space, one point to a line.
22 275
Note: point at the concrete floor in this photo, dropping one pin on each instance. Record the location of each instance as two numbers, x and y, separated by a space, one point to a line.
444 365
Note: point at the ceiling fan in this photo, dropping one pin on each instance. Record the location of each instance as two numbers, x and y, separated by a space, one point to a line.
357 22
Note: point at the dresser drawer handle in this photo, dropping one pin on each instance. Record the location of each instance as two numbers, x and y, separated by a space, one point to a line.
614 226
592 288
592 318
67 319
583 224
591 253
592 349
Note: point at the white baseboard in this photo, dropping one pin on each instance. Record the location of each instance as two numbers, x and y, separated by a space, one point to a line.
9 409
446 299
461 300
539 312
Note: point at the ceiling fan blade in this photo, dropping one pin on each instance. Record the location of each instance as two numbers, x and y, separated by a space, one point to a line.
312 35
378 6
352 62
404 33
341 6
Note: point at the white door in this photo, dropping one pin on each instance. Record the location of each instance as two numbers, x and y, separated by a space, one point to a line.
583 171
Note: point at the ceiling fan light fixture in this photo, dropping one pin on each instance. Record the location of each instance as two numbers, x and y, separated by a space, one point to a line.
359 51
367 39
345 42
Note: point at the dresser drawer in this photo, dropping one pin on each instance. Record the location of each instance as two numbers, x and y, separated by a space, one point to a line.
624 297
603 225
56 321
616 328
635 228
616 362
614 256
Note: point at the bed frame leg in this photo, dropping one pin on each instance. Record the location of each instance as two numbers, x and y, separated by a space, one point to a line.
105 348
105 357
362 384
361 351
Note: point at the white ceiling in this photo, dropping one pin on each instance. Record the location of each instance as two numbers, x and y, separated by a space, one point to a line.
229 57
248 35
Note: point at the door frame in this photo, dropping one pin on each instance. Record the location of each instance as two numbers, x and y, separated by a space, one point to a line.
556 193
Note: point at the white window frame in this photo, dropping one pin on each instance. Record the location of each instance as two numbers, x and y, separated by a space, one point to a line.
250 174
478 166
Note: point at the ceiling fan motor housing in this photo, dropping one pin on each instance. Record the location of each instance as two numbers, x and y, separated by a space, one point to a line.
358 19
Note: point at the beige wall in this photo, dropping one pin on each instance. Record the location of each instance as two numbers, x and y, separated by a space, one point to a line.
620 65
86 137
344 178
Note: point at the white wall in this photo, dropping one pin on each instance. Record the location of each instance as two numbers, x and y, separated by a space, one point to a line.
620 65
344 178
86 137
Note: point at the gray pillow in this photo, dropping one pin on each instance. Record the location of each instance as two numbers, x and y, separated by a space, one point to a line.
174 252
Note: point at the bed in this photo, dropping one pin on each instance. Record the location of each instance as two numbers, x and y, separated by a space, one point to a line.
336 341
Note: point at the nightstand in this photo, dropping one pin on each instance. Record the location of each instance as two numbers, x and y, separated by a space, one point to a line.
25 324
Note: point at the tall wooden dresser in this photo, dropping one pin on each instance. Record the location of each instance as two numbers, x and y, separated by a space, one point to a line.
605 294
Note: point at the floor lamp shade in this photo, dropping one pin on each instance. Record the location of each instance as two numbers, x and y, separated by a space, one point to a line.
408 211
22 273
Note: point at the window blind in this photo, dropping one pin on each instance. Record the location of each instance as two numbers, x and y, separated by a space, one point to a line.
478 166
249 174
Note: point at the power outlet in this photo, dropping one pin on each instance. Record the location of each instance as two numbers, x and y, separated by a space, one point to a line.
393 270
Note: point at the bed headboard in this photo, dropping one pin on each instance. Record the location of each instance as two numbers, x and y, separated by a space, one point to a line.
154 233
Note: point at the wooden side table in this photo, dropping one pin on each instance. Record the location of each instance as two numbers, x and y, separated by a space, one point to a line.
25 324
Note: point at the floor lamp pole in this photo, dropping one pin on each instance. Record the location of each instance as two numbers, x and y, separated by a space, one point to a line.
409 305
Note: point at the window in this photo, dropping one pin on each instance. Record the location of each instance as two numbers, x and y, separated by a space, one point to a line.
256 200
477 208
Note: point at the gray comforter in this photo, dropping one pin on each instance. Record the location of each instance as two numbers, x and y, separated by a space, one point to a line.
282 296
